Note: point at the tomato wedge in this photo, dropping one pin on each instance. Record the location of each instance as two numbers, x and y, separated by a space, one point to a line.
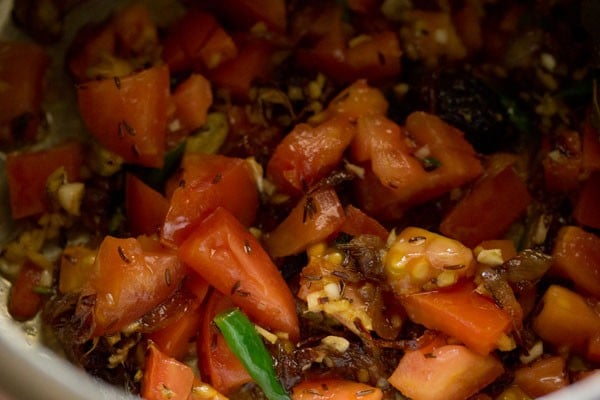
216 361
145 207
165 377
227 256
309 153
316 216
207 182
130 277
129 115
461 313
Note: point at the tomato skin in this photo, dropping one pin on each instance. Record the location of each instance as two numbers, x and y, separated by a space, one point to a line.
130 277
145 207
308 154
316 216
22 70
27 174
129 116
231 259
165 377
23 302
358 223
216 361
207 182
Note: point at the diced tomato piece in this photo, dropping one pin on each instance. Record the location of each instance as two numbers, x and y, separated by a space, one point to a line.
135 31
130 277
357 100
216 361
563 162
27 174
129 115
451 372
576 256
542 377
76 265
475 219
358 223
335 389
586 211
308 154
376 57
362 6
566 320
182 47
400 167
192 99
227 256
165 377
22 70
207 182
316 216
23 301
174 339
146 208
462 313
238 74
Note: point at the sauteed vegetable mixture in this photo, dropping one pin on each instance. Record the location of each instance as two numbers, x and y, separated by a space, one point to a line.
357 199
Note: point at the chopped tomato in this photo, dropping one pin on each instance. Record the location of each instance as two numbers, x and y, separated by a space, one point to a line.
207 182
24 302
165 377
586 211
461 312
27 174
476 218
543 376
174 339
566 320
357 100
76 265
374 57
129 115
400 165
237 74
316 216
576 256
308 154
451 372
216 361
130 277
22 70
192 99
563 162
197 42
145 207
227 256
358 223
335 389
127 40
